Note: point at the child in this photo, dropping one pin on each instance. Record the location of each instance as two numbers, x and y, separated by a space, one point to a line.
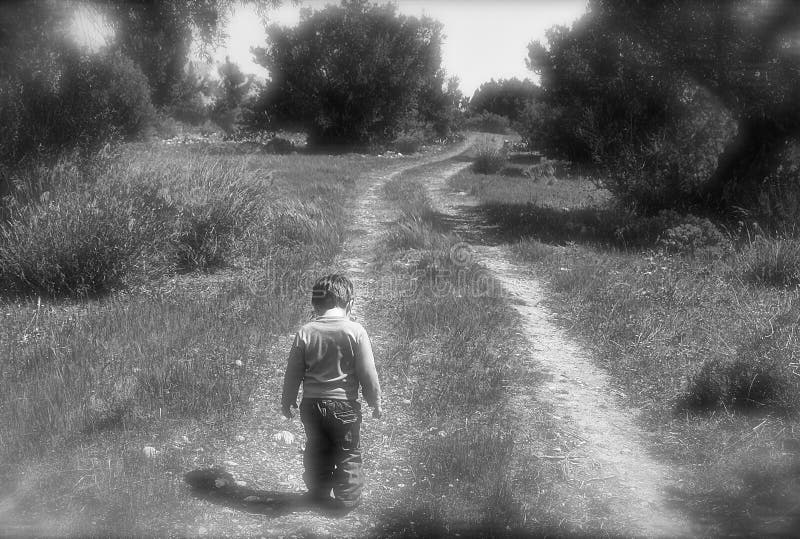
332 356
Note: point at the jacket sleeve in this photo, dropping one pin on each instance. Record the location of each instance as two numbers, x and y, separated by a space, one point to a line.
295 369
367 374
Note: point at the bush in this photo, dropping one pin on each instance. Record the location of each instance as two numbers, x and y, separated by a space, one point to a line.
280 145
98 98
762 375
692 235
81 244
771 262
488 122
672 232
489 159
203 236
408 144
554 131
101 98
413 232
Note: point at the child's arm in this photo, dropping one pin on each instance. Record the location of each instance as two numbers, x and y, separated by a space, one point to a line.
368 375
295 368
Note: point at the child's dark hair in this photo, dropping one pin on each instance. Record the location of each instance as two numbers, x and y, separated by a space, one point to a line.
331 291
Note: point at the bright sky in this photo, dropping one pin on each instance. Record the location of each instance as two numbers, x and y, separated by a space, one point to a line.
484 39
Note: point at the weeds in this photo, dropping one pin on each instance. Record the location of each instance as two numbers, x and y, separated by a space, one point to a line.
771 262
489 159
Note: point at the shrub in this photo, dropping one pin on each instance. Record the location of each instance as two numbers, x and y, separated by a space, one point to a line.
672 232
747 382
762 375
488 122
280 145
489 159
771 262
692 235
101 98
203 236
98 98
81 244
408 144
412 232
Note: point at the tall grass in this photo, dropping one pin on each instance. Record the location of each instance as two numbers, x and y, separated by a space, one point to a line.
701 335
196 264
489 159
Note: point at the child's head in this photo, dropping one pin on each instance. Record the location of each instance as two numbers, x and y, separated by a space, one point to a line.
332 291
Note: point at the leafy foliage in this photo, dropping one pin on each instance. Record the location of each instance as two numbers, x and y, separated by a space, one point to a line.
98 98
158 36
488 122
505 97
350 74
233 88
648 91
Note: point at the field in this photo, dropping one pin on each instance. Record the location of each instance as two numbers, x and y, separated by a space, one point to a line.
150 296
173 335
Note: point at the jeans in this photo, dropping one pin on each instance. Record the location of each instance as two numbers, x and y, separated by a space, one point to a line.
332 458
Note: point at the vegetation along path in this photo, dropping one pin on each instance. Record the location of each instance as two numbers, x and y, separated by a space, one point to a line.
604 460
260 468
608 450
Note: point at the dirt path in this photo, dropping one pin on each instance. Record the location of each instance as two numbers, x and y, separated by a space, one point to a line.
610 453
263 464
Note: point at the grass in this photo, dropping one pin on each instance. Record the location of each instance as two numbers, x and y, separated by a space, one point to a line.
176 338
489 159
454 356
700 334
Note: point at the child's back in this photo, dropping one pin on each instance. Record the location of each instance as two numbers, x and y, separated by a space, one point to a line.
332 355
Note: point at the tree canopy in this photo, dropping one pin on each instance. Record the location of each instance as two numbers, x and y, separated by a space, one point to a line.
351 74
660 73
506 97
158 35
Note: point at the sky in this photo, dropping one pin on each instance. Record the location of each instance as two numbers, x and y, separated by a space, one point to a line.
484 39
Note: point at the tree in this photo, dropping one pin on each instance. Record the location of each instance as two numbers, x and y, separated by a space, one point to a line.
232 90
351 74
439 105
745 54
506 97
158 35
598 93
192 95
53 96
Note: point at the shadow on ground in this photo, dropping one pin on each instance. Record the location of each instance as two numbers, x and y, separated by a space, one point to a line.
217 486
766 506
557 226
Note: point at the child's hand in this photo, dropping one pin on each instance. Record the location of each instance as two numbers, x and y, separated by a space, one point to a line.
377 412
286 410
